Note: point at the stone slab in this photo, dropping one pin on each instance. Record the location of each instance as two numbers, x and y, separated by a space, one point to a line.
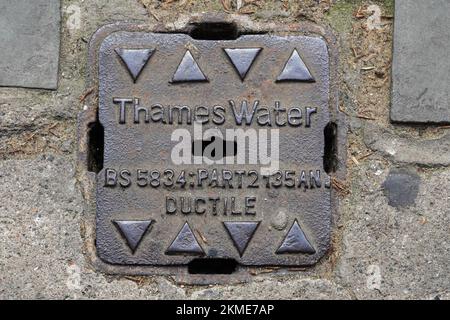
29 43
421 68
396 252
406 149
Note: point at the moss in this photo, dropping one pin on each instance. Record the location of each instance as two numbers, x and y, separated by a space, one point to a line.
340 15
388 6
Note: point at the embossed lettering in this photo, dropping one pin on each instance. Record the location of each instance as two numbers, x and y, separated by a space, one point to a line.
171 205
244 111
122 109
110 177
294 117
309 112
250 204
125 178
138 109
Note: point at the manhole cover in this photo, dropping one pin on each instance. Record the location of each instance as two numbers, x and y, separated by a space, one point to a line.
213 149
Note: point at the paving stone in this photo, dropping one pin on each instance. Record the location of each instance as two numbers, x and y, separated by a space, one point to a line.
421 68
407 149
29 43
303 289
396 253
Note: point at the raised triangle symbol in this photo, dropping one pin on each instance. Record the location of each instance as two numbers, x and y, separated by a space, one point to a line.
296 242
242 59
188 70
135 60
133 231
295 70
185 243
241 233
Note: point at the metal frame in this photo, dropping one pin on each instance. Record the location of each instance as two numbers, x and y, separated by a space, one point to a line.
87 180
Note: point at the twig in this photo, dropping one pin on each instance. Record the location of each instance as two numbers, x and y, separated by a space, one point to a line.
201 236
86 93
365 156
343 111
266 270
226 4
365 117
360 13
54 134
355 160
153 15
340 187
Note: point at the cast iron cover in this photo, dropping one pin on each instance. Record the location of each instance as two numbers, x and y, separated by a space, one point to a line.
154 211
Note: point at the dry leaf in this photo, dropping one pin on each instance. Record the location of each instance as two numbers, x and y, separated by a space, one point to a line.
340 187
247 10
226 5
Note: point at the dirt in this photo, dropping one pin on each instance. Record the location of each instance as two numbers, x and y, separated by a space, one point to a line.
48 139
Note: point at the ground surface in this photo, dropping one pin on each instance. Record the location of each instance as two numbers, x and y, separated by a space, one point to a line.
385 245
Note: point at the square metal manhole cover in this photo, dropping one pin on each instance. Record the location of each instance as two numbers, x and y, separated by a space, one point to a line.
213 149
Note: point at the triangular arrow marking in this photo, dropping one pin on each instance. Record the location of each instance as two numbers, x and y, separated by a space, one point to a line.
188 70
133 231
295 70
135 60
296 242
185 243
241 233
242 59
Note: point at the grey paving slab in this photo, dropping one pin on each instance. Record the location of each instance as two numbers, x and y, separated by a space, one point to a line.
421 64
29 43
433 152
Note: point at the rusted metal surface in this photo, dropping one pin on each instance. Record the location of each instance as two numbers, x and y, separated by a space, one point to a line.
144 75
